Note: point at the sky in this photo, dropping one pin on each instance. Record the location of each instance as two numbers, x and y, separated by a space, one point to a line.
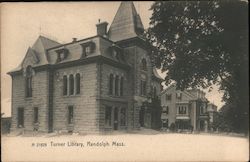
22 23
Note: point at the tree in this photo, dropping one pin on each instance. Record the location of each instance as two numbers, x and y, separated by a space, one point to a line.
202 43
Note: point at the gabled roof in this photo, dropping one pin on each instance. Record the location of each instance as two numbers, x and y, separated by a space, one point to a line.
126 24
41 45
37 53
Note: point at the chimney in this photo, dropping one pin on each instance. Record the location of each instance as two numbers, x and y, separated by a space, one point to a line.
74 39
102 28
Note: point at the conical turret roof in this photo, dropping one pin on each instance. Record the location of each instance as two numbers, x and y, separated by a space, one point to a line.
126 24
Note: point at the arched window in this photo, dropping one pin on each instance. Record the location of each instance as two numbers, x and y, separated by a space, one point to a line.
65 85
71 84
144 64
28 82
78 85
111 80
121 86
116 85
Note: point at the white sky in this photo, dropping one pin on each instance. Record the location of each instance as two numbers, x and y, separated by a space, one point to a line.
21 24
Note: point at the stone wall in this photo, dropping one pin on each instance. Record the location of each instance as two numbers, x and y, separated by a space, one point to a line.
84 104
39 99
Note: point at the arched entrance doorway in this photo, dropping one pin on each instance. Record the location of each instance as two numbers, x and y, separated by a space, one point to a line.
141 116
116 118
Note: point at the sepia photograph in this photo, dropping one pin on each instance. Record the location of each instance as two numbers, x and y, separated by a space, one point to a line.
125 81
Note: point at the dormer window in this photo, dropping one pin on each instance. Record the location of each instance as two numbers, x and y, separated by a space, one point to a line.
87 48
116 53
62 54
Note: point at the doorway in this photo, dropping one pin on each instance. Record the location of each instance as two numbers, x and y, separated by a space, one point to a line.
116 118
141 116
20 115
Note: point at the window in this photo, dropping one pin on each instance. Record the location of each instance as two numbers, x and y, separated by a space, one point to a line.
71 84
115 54
179 96
203 109
165 109
123 116
28 82
143 87
70 114
87 50
20 117
62 54
78 84
155 92
108 111
65 85
144 64
35 115
182 110
116 85
111 80
168 97
121 86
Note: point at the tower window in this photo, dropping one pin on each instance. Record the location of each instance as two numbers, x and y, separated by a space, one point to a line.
121 86
111 80
116 85
144 64
143 87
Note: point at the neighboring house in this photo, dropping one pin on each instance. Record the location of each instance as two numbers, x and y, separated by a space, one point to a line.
185 109
212 112
90 85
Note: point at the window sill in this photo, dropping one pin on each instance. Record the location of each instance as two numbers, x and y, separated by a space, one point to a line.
114 96
28 98
66 96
